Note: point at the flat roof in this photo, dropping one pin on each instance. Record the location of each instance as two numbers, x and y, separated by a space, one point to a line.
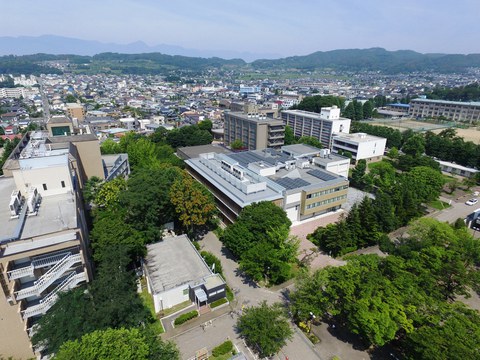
330 158
300 149
173 262
55 213
358 137
255 118
471 103
312 115
189 152
211 170
457 166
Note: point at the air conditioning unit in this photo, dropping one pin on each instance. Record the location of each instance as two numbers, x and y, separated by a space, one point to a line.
33 200
15 203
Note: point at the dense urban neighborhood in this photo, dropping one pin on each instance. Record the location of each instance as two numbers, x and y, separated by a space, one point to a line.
157 207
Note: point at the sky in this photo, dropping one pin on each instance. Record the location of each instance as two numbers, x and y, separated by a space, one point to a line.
277 27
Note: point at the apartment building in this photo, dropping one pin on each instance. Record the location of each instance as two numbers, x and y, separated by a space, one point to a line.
295 184
321 126
256 131
43 237
452 110
362 146
75 110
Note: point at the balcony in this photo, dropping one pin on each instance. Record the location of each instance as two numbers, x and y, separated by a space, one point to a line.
71 281
49 277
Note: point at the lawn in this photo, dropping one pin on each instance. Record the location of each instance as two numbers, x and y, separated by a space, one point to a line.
439 205
147 299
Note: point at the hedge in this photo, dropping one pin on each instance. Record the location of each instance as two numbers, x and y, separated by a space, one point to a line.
218 302
185 317
224 348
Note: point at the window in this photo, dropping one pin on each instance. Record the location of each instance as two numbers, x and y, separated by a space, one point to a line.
63 184
44 187
185 291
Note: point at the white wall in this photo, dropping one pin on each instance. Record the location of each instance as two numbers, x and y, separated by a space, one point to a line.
340 168
292 213
341 126
297 197
170 298
52 177
369 149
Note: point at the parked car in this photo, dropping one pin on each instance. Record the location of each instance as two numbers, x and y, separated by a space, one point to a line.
471 201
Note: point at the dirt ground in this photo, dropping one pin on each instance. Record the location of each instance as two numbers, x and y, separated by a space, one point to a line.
471 134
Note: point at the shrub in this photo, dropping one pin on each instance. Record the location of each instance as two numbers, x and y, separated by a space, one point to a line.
211 259
185 317
218 302
222 349
196 244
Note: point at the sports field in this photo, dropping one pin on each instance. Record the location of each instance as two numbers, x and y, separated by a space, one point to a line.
470 134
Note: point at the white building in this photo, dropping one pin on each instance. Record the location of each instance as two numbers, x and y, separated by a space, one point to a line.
360 145
176 273
456 169
321 126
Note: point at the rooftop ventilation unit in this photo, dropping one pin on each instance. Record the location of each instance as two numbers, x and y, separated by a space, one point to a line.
33 200
15 203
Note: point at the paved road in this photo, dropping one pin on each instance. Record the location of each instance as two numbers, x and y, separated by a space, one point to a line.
248 293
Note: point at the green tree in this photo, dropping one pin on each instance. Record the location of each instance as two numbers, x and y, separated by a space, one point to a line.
367 110
310 140
110 147
116 344
205 125
450 331
70 98
108 193
68 319
252 226
358 174
414 146
289 136
110 228
106 344
91 188
358 107
265 328
115 301
193 203
349 111
237 144
271 259
147 200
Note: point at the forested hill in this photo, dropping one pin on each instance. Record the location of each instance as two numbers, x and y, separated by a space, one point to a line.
375 59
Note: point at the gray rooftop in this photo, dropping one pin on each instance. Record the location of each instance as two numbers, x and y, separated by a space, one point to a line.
190 152
300 149
174 262
471 103
56 213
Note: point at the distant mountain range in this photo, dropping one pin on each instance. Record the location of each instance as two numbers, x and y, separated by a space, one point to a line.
375 59
139 58
53 44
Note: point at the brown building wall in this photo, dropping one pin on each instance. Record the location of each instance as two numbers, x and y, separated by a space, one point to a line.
90 157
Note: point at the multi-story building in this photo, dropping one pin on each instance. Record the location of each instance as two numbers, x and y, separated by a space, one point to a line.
295 184
43 237
452 110
256 131
75 110
360 145
321 126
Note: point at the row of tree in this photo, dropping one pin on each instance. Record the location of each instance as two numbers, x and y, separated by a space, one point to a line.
127 215
470 92
407 296
445 146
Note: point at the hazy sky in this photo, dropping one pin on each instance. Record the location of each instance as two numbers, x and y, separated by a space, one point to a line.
262 26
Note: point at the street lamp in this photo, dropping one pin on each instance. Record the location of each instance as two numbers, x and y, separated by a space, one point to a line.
312 317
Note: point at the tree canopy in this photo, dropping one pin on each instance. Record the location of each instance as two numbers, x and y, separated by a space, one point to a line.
265 328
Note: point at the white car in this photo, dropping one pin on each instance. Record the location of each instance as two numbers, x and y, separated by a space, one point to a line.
471 201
